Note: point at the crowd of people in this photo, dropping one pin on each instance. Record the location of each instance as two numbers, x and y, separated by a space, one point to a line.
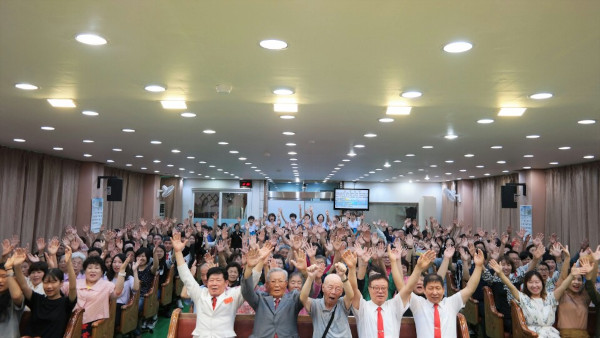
328 267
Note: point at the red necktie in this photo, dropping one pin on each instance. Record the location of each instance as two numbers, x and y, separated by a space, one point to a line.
276 305
437 327
214 302
379 323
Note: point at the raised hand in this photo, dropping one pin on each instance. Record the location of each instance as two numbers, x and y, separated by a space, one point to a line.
596 254
539 251
349 258
340 268
310 249
374 239
393 254
312 271
337 244
252 258
32 258
449 252
178 245
495 266
479 259
68 253
41 244
300 261
125 264
7 247
265 251
426 259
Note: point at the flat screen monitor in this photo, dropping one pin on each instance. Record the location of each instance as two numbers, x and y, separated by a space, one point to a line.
351 199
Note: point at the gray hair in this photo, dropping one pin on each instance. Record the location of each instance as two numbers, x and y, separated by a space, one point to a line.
78 255
276 270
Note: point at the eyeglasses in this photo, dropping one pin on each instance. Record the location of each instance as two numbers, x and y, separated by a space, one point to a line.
379 288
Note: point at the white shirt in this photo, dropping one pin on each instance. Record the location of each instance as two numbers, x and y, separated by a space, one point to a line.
448 308
391 311
217 323
354 224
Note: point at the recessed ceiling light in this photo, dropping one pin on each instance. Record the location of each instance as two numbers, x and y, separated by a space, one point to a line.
181 169
169 165
128 165
223 143
87 155
242 158
139 156
128 130
187 114
541 96
173 104
293 159
58 148
433 166
117 149
511 111
485 121
410 155
26 86
458 47
211 166
155 142
533 136
553 163
290 144
62 103
234 152
191 157
480 166
359 146
47 128
157 171
501 162
285 107
398 110
248 163
496 147
469 155
505 171
527 167
155 88
351 154
89 113
387 164
273 44
427 147
110 161
586 121
411 94
91 39
222 169
486 174
88 141
345 160
397 161
292 153
283 91
209 131
449 161
175 151
564 148
19 140
288 133
156 161
463 170
588 156
451 136
448 173
144 168
386 120
528 155
287 117
371 172
370 135
471 176
202 162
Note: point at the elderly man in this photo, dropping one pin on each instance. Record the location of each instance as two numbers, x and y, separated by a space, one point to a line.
216 305
276 312
380 317
330 313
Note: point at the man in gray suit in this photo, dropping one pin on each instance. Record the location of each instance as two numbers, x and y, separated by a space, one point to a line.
276 312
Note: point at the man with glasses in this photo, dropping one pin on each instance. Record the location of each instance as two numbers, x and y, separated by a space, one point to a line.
330 313
380 317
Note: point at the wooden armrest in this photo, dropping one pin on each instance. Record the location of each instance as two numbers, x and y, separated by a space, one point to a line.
174 323
150 292
475 301
98 322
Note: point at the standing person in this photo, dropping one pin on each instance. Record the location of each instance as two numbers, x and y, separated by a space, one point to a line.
380 317
50 311
435 316
11 302
276 311
538 305
215 305
330 313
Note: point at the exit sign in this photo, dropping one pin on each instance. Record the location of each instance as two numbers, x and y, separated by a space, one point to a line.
246 184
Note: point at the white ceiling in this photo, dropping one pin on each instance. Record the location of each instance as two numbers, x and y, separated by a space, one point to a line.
347 60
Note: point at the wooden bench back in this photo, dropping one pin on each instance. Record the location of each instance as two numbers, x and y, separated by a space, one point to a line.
129 314
74 325
166 293
494 320
151 300
519 326
105 328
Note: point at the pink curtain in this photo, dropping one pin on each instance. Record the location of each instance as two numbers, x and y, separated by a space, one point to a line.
573 204
487 204
117 214
38 194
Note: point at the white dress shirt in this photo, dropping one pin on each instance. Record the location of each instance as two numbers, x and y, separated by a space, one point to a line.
391 311
212 323
422 310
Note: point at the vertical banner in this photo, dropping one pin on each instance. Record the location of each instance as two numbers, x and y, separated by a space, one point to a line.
97 210
525 219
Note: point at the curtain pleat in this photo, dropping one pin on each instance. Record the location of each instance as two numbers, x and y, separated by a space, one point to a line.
449 207
487 204
130 208
173 202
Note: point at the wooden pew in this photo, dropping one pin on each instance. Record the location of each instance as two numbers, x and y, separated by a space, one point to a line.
74 325
105 328
178 286
166 288
151 300
494 320
451 284
519 326
183 324
129 315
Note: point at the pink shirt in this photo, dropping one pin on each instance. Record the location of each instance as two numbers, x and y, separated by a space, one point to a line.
95 299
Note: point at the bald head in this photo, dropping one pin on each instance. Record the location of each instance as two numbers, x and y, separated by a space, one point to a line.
333 279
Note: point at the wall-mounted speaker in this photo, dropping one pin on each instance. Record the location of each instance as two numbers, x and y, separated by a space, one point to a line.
508 193
114 189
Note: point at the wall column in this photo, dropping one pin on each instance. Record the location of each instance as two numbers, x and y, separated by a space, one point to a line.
88 180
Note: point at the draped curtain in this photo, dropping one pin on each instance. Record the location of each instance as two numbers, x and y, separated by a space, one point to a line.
487 204
573 204
117 214
38 194
173 202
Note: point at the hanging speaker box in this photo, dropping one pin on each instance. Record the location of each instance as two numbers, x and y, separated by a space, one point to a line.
114 189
